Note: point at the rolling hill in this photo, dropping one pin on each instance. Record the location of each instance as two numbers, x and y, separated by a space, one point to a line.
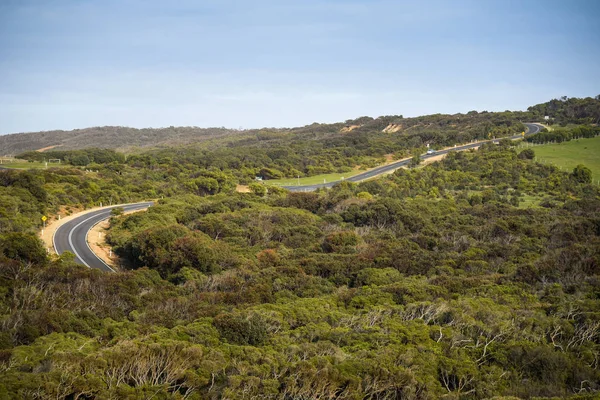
357 132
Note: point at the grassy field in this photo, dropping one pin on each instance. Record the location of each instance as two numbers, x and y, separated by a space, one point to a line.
312 180
568 155
22 164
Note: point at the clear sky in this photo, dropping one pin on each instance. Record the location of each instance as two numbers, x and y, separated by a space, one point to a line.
68 64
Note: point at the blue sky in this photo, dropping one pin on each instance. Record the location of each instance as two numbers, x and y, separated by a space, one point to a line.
68 64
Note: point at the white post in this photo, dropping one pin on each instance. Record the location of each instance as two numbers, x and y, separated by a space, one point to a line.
59 217
110 253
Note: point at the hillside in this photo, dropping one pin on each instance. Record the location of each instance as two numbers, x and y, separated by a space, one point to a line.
358 132
109 137
472 124
475 277
375 133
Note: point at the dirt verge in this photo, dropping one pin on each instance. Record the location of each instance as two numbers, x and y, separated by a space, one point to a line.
55 221
96 239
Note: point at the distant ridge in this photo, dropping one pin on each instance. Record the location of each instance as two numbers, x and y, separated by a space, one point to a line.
109 137
564 110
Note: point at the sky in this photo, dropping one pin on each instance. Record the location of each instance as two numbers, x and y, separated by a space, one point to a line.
67 64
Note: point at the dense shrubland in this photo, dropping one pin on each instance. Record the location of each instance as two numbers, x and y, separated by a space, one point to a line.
320 149
430 282
567 110
76 157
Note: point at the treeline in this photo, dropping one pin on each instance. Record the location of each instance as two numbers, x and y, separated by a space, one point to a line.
567 110
76 157
429 283
560 135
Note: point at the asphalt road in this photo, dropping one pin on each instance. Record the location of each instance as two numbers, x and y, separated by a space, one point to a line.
531 129
72 235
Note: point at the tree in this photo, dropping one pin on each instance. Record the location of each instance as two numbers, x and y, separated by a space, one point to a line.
343 242
527 154
23 247
206 186
415 160
115 212
243 329
582 174
258 189
80 160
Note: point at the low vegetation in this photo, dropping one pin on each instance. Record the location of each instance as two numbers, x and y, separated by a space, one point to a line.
431 282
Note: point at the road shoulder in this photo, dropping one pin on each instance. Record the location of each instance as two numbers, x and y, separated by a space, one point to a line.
96 239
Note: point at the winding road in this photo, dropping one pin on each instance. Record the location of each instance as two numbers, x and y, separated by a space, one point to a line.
72 236
532 128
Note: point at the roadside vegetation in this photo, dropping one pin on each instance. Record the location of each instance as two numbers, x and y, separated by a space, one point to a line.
427 283
313 180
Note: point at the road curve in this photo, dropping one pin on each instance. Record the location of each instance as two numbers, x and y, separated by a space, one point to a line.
532 128
72 236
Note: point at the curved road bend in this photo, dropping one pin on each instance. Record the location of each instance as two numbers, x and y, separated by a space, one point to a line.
72 236
531 129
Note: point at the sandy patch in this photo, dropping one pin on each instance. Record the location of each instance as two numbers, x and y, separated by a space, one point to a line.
433 159
349 128
392 128
242 189
48 148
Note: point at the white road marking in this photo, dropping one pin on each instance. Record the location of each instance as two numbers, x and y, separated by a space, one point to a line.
125 207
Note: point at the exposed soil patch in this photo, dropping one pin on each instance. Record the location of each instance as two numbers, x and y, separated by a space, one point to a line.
349 128
392 128
48 148
433 159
